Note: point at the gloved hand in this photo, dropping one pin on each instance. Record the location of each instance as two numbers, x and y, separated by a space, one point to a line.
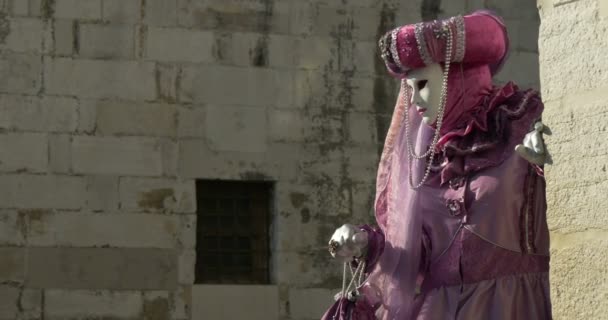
533 148
347 243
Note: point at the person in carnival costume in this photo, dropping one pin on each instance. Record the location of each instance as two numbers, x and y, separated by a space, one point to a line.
460 192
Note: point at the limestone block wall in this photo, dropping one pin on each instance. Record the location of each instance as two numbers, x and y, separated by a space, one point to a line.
573 47
111 109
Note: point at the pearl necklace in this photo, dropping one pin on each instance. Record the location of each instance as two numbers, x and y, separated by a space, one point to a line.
430 153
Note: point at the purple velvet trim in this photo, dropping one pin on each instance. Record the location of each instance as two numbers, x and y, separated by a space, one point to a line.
471 259
375 247
527 217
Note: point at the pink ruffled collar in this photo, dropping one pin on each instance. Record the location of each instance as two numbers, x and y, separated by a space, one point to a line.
489 133
477 118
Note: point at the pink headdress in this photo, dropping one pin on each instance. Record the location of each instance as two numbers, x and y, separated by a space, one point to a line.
479 49
479 39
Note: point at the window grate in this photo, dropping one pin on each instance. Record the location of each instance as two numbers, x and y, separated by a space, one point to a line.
233 241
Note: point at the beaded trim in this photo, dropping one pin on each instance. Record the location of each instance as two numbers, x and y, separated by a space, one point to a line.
421 41
393 48
460 38
527 233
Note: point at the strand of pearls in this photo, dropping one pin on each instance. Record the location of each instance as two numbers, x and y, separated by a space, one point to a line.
430 153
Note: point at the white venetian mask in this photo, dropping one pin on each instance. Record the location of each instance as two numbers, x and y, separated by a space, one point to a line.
426 84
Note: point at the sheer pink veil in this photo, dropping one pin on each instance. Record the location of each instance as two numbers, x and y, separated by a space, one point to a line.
392 284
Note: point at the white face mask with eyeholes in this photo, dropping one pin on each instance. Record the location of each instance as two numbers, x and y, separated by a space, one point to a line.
426 86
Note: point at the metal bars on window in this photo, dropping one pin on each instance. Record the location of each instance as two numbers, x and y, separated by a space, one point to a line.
233 241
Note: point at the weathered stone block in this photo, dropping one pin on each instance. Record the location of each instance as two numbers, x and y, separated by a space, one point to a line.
25 35
64 304
452 8
161 12
528 36
259 50
21 73
60 153
19 8
157 195
318 19
106 41
20 303
603 6
121 11
186 262
35 7
57 114
286 125
335 91
309 303
365 57
196 160
12 264
575 204
577 179
302 269
156 305
222 85
362 128
23 152
181 302
362 162
281 52
42 191
87 116
110 155
514 9
517 69
12 228
112 79
128 118
49 114
103 230
191 122
187 233
313 52
194 45
236 128
102 268
102 193
298 231
217 302
64 37
578 281
78 9
169 152
167 77
253 16
9 300
560 45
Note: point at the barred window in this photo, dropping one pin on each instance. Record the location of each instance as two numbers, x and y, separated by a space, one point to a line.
232 232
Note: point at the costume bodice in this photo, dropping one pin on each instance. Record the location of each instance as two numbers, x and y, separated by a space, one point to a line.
504 205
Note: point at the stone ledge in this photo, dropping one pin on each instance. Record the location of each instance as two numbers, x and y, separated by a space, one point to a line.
102 268
218 302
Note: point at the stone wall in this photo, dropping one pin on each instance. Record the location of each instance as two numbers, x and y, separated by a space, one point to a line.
573 46
110 109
